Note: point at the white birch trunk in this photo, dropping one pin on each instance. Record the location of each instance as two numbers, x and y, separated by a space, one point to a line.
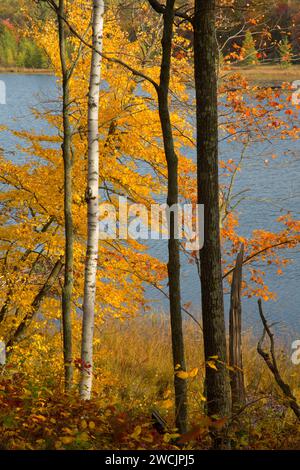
93 205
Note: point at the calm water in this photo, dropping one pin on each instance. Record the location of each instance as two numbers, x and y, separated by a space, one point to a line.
272 190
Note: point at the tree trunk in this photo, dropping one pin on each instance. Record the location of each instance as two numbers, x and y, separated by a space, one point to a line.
238 395
93 207
69 232
172 198
214 333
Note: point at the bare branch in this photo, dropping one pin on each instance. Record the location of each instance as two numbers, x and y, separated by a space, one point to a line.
36 304
257 253
159 8
270 360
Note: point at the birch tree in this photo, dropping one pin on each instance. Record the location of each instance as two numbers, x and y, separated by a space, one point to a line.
92 202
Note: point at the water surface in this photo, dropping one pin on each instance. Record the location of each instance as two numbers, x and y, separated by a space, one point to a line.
272 190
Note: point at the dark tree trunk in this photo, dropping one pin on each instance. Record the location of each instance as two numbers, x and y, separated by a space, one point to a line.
238 395
214 333
69 232
173 245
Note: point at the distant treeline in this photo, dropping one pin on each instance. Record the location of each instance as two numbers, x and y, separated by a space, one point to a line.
19 51
281 43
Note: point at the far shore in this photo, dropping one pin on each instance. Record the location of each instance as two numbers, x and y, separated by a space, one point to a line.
257 73
28 71
269 73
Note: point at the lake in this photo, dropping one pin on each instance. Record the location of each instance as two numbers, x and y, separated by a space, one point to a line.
273 190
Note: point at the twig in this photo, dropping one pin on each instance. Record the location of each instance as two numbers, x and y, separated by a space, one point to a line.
270 360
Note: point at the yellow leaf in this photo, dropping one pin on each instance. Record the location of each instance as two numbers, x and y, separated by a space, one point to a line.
84 437
182 374
169 437
67 431
167 393
167 404
40 442
212 365
67 439
147 438
92 425
137 431
39 417
83 424
194 372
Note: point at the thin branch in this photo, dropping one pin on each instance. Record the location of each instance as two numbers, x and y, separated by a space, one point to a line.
271 362
113 60
257 253
159 8
35 304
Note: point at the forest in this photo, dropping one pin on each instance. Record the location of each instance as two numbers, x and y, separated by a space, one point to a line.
20 50
149 225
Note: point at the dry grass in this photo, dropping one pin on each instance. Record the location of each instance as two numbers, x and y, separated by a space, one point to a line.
27 71
133 375
258 73
270 73
137 354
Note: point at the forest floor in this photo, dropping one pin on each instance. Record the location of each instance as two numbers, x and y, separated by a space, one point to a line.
133 377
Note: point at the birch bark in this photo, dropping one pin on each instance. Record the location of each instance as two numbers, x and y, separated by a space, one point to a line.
93 206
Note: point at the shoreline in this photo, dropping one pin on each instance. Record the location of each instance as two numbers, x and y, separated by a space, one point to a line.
268 73
24 70
257 73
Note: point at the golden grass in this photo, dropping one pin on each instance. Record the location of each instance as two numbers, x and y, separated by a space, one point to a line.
137 355
24 70
269 73
133 374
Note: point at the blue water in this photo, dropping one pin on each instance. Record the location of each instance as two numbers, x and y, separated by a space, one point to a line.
272 190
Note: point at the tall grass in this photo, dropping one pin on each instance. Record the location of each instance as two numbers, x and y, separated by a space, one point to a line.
137 354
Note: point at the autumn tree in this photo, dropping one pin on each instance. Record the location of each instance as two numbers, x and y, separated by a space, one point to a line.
285 51
67 69
133 164
120 266
249 50
91 197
